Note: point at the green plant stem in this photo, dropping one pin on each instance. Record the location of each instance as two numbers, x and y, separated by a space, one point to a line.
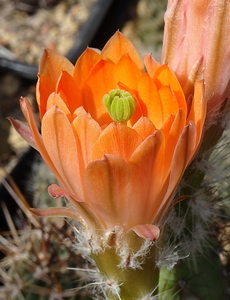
127 282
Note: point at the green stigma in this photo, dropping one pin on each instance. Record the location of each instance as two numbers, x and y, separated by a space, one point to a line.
120 105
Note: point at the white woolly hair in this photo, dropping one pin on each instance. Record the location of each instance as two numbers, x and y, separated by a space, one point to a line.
90 241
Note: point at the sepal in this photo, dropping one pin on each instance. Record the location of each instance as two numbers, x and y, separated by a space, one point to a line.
24 130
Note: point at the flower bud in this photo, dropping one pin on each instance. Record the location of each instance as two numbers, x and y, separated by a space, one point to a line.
120 105
196 46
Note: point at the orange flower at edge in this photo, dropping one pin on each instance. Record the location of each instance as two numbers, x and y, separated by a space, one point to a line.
196 45
113 173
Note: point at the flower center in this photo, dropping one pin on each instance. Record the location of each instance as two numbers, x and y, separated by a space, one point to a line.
120 105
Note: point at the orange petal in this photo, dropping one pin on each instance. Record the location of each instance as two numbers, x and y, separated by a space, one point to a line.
53 63
60 143
55 100
172 138
144 127
176 128
151 64
183 153
108 189
27 112
100 82
151 101
68 88
116 139
127 72
87 131
44 88
119 45
80 111
167 125
164 77
84 65
198 108
51 66
168 101
146 166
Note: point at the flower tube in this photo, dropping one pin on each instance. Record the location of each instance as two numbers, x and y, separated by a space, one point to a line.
118 139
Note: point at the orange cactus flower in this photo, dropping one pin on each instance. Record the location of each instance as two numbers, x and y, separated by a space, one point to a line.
196 45
113 171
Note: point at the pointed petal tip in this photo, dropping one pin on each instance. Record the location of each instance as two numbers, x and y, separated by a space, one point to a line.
52 63
56 191
24 131
23 101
